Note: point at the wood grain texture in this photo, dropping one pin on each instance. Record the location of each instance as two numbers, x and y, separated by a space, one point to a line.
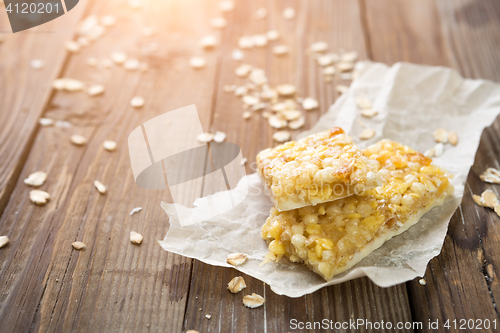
458 283
113 285
339 24
24 91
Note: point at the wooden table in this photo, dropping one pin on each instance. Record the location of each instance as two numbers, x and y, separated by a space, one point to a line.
114 286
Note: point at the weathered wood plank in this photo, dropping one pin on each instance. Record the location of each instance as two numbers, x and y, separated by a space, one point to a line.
113 284
339 24
24 91
458 285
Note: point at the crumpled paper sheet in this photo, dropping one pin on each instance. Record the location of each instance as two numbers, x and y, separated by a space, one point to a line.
413 101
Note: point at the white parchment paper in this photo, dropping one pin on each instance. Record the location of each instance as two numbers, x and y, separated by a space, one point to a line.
413 101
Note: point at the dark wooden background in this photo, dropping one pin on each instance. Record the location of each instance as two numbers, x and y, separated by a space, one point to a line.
113 286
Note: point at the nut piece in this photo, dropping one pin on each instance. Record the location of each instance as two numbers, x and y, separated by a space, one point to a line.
135 238
137 102
281 136
78 140
441 135
289 13
78 245
109 145
253 301
310 103
36 179
236 259
4 240
236 285
100 187
491 175
197 62
367 134
453 138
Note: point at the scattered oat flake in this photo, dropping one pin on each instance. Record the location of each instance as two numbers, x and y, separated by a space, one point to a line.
341 89
135 237
325 60
276 122
453 138
95 90
329 70
258 76
369 113
253 301
363 103
208 316
72 46
148 31
68 84
36 179
260 40
441 135
236 259
37 63
205 137
289 13
78 140
106 63
430 153
208 42
250 100
192 331
240 91
422 282
489 199
237 55
345 66
285 89
243 70
39 197
131 64
100 187
109 145
79 245
243 161
319 47
280 50
367 134
260 13
281 136
135 210
310 103
218 22
491 175
236 285
46 121
137 102
219 136
296 124
108 20
63 124
349 56
291 114
197 62
4 240
272 35
245 42
259 106
226 6
118 57
247 115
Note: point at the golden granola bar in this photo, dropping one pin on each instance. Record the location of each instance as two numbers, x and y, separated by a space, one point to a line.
332 237
319 168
